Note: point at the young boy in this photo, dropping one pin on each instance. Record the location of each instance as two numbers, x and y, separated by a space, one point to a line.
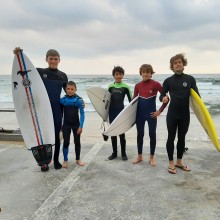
54 80
178 116
71 104
118 90
146 111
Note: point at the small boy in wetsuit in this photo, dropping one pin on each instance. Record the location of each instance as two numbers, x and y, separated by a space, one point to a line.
147 89
118 90
70 105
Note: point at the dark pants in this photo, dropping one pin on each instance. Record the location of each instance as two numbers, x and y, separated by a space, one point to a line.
57 126
113 113
174 124
152 126
144 109
66 136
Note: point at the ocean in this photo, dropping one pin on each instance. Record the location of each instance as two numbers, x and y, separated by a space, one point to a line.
208 85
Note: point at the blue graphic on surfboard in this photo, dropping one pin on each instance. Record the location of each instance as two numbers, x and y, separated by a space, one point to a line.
32 105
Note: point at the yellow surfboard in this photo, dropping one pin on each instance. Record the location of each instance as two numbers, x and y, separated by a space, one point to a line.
204 117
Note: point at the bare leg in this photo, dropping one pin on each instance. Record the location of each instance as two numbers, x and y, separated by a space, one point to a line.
79 162
139 159
152 161
171 168
65 164
181 165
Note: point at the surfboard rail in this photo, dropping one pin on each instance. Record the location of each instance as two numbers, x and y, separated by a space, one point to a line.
204 118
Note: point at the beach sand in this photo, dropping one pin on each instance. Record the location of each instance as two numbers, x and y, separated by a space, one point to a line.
111 189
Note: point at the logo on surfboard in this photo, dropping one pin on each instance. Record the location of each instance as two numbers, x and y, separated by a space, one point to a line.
26 83
15 85
23 73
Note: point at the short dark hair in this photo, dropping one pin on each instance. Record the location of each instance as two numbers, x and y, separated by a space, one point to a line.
71 83
147 68
176 57
118 69
53 53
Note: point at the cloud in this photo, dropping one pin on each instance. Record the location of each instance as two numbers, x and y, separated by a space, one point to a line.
110 29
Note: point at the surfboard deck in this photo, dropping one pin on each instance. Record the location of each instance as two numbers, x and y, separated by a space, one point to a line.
100 99
31 102
204 117
125 119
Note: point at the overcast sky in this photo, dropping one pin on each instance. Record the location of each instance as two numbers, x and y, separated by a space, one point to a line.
93 36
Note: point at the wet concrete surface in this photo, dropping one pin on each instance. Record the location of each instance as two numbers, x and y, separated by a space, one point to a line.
110 189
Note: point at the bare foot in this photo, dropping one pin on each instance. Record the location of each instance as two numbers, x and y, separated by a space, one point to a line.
79 162
65 164
138 160
181 165
152 161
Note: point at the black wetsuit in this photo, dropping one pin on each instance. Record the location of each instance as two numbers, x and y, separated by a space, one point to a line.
118 92
54 80
178 116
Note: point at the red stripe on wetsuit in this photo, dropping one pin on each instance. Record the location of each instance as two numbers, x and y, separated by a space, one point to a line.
148 89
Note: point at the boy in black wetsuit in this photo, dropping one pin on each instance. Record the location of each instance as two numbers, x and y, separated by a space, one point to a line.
71 104
178 116
118 90
54 80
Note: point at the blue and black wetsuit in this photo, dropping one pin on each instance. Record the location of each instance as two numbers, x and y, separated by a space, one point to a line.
118 92
54 80
178 116
71 106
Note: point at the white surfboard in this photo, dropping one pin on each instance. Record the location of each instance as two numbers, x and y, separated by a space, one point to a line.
31 102
100 99
124 121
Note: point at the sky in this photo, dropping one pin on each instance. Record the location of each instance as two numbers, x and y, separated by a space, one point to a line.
93 36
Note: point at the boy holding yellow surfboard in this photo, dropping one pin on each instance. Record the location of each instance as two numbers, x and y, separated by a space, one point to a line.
178 116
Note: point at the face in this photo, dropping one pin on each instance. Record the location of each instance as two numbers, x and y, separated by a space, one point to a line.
118 77
70 90
178 66
53 61
146 75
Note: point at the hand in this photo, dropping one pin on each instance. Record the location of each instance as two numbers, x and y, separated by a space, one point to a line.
17 50
165 99
79 131
83 104
155 114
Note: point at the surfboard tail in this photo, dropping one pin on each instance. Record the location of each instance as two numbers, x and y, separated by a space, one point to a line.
43 154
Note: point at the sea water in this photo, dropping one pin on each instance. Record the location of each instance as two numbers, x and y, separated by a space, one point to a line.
208 85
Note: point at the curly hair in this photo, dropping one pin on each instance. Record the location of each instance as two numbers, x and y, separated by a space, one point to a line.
118 69
176 57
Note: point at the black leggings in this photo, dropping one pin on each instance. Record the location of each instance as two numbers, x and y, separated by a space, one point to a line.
66 136
122 141
182 124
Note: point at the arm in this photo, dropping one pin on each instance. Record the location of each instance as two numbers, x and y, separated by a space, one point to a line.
135 91
128 93
164 105
194 86
65 80
158 112
163 95
82 117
